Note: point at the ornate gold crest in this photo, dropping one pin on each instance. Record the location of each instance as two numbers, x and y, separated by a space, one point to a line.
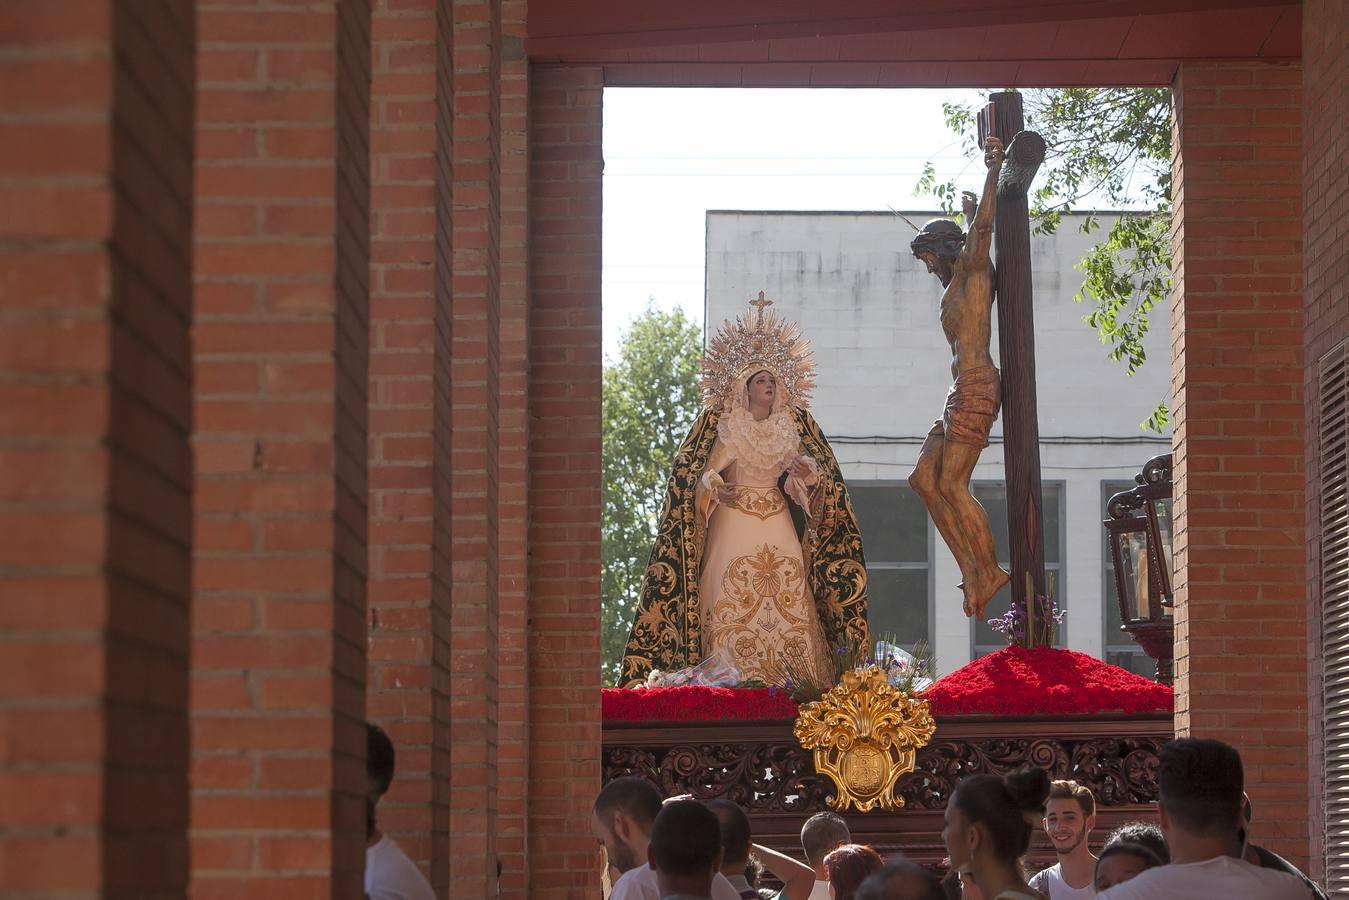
756 341
865 734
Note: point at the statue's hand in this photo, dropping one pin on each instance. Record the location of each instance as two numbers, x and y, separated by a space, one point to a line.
993 152
725 493
803 469
969 204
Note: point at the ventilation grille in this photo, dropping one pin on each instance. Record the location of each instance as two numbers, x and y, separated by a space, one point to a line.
1334 465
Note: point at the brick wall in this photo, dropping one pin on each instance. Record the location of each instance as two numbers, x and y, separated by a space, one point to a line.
281 337
1237 326
475 369
1325 216
513 445
564 477
409 623
95 469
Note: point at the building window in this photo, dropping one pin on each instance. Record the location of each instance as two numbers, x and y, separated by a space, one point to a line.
1120 647
993 496
897 543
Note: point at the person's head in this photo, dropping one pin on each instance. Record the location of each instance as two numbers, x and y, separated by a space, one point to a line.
1199 789
990 818
379 761
1121 861
1144 833
822 833
847 867
937 246
685 848
901 880
735 835
1070 815
624 813
763 390
379 766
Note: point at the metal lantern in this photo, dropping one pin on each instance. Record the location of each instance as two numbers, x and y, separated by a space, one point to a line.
1140 534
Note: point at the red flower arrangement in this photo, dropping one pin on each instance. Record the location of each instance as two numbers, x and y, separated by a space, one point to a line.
1045 681
1011 682
695 704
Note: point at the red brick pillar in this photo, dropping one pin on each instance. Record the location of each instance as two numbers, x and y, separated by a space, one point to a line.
282 263
409 674
475 367
95 464
564 477
512 472
1325 166
1237 369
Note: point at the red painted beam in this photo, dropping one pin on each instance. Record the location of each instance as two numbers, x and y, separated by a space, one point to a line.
579 30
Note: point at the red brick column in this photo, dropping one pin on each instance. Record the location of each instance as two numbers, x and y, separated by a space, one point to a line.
564 477
1237 379
95 464
282 264
474 373
1325 166
409 673
512 473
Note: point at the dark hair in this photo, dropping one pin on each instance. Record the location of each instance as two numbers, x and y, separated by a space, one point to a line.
685 839
902 880
1145 833
940 236
1199 781
735 832
1071 790
379 757
823 832
635 797
848 866
1129 848
1006 806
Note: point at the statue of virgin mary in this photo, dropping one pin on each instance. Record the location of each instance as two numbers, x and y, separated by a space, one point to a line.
758 558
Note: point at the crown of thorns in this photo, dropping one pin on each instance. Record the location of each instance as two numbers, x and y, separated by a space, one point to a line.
939 235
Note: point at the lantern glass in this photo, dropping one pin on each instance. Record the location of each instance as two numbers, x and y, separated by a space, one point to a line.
1160 516
1132 553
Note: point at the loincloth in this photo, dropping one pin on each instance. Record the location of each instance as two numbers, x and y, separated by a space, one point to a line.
971 406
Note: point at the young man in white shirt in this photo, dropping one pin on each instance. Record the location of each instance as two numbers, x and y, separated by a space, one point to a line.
1200 787
1070 815
822 834
624 813
389 874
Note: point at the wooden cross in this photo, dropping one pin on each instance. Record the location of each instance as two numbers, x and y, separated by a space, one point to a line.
760 304
1016 338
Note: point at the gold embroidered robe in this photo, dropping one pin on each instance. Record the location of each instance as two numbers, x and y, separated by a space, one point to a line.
674 627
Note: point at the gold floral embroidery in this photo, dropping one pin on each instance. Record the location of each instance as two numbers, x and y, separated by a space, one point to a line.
759 502
765 612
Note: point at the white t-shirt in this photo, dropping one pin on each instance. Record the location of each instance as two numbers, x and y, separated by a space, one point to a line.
820 891
1220 878
640 884
1050 883
390 875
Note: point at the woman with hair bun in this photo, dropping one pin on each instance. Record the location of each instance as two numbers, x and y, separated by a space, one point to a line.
989 821
848 866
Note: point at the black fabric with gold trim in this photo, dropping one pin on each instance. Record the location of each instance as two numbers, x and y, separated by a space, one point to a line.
667 628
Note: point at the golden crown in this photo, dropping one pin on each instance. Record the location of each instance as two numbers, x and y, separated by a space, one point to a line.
755 341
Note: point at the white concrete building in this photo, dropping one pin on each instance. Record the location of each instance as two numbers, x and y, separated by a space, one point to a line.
870 310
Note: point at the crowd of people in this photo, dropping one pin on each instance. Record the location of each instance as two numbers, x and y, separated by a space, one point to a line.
682 849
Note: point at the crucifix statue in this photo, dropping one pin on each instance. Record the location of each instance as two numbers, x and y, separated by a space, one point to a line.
962 261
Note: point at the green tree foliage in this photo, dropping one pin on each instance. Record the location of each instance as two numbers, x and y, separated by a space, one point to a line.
651 397
1112 145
